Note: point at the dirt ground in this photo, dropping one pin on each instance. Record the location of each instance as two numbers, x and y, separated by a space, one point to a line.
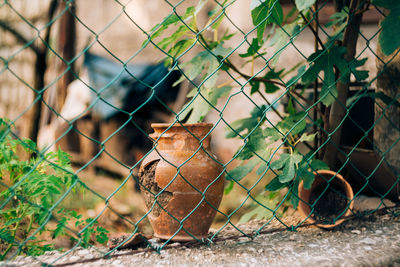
369 241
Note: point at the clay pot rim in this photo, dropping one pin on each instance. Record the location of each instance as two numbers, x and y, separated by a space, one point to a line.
349 193
181 125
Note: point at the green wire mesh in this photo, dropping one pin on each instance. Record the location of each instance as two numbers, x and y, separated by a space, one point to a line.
50 196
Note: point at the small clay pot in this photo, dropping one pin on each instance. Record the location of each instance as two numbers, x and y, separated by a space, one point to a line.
181 181
330 199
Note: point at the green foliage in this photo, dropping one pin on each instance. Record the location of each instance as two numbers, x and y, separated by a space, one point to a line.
204 66
290 167
29 191
269 148
338 21
287 164
263 13
253 49
389 38
326 61
264 208
304 4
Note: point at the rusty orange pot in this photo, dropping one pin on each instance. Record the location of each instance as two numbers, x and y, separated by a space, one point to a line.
336 199
181 181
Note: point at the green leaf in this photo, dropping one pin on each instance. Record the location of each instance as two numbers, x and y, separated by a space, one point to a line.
182 30
270 88
6 236
338 20
259 212
338 17
294 194
200 107
293 124
286 162
174 19
255 144
253 48
360 75
290 107
317 164
273 134
12 221
307 137
245 124
214 12
281 38
304 4
206 63
181 47
299 74
249 215
289 171
281 162
101 235
275 185
264 211
60 229
255 86
206 60
229 187
102 238
389 37
243 169
308 179
265 162
264 12
239 126
227 36
325 61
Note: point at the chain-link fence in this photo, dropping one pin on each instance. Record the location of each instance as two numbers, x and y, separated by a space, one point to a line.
109 108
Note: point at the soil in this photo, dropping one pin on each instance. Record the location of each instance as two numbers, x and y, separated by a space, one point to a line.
148 183
332 203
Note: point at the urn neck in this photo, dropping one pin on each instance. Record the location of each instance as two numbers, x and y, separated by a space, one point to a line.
181 137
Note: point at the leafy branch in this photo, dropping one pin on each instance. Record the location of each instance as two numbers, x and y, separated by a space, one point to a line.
30 187
333 66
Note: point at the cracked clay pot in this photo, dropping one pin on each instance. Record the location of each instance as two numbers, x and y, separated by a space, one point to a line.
181 182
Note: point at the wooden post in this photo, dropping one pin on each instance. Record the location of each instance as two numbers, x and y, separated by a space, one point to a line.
66 47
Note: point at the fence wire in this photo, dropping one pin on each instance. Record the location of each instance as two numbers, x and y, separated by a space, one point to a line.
298 99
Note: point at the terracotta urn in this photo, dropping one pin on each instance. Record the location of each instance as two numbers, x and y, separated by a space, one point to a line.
330 196
181 181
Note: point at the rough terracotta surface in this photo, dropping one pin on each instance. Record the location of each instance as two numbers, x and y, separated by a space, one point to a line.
321 178
184 176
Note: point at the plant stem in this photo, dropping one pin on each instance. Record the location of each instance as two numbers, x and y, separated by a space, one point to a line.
235 69
248 77
316 35
227 82
316 110
307 101
271 106
30 225
11 244
338 109
6 252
